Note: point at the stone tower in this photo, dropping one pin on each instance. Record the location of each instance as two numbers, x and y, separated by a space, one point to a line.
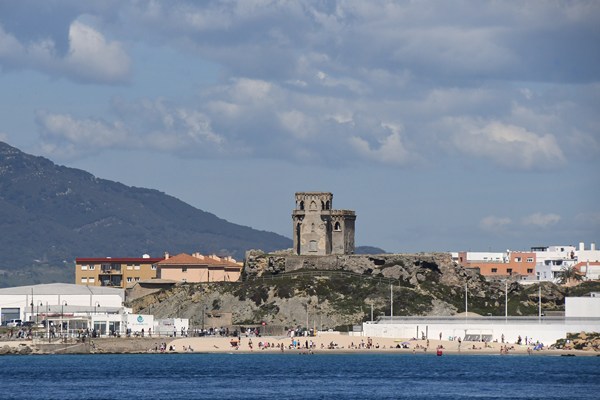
319 230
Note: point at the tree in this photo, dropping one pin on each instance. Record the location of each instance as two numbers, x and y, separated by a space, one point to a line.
569 274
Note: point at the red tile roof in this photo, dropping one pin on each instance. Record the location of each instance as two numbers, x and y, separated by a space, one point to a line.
186 259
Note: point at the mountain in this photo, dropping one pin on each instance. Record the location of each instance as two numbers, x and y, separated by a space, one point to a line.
50 214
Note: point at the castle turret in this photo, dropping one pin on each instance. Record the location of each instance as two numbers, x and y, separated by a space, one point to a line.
320 230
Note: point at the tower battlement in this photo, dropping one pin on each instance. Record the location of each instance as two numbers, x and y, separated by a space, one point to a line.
320 230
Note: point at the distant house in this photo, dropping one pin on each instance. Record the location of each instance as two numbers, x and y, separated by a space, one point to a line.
118 272
505 264
197 268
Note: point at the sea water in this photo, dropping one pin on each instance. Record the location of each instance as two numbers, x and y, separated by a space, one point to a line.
295 376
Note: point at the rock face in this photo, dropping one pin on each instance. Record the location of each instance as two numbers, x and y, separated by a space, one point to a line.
412 268
20 350
283 289
338 290
589 341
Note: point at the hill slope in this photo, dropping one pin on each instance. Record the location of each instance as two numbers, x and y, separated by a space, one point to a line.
50 214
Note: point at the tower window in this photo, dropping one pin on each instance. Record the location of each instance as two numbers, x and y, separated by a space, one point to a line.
302 205
313 205
327 205
312 246
337 227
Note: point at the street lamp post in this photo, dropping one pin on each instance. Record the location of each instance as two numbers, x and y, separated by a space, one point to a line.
391 302
37 312
506 300
62 313
47 321
466 301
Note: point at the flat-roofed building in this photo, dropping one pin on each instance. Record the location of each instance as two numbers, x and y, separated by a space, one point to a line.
511 263
119 272
56 301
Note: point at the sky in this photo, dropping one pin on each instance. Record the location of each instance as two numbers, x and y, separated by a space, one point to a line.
446 126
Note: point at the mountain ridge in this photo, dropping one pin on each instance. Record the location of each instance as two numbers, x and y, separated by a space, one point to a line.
51 214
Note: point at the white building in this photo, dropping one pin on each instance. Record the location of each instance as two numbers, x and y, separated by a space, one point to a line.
487 256
591 255
582 314
38 302
583 307
551 260
66 308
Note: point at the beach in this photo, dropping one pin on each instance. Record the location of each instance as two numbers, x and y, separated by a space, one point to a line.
322 343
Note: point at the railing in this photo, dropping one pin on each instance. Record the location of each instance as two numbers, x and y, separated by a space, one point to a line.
485 319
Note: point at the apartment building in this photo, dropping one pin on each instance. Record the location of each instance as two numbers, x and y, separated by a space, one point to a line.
499 264
198 268
118 272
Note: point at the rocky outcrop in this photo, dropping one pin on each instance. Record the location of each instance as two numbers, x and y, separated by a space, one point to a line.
589 341
19 350
340 290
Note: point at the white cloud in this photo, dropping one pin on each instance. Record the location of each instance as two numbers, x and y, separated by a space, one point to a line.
391 150
89 132
507 145
299 124
541 220
144 125
494 224
91 58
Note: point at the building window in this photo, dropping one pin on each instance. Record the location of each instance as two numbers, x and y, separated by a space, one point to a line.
509 271
337 227
529 259
183 269
92 267
84 267
530 270
137 278
91 280
312 246
494 270
517 259
129 279
153 267
129 267
83 280
136 267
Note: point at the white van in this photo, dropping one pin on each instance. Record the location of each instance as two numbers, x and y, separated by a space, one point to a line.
11 323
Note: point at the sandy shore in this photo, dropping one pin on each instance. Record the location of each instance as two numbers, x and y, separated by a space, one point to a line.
344 344
352 344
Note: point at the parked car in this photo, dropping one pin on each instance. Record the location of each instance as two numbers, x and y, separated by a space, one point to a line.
11 323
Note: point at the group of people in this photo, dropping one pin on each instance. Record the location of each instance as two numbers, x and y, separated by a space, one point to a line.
161 348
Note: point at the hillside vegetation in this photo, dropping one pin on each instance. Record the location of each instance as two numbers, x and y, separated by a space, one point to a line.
337 298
